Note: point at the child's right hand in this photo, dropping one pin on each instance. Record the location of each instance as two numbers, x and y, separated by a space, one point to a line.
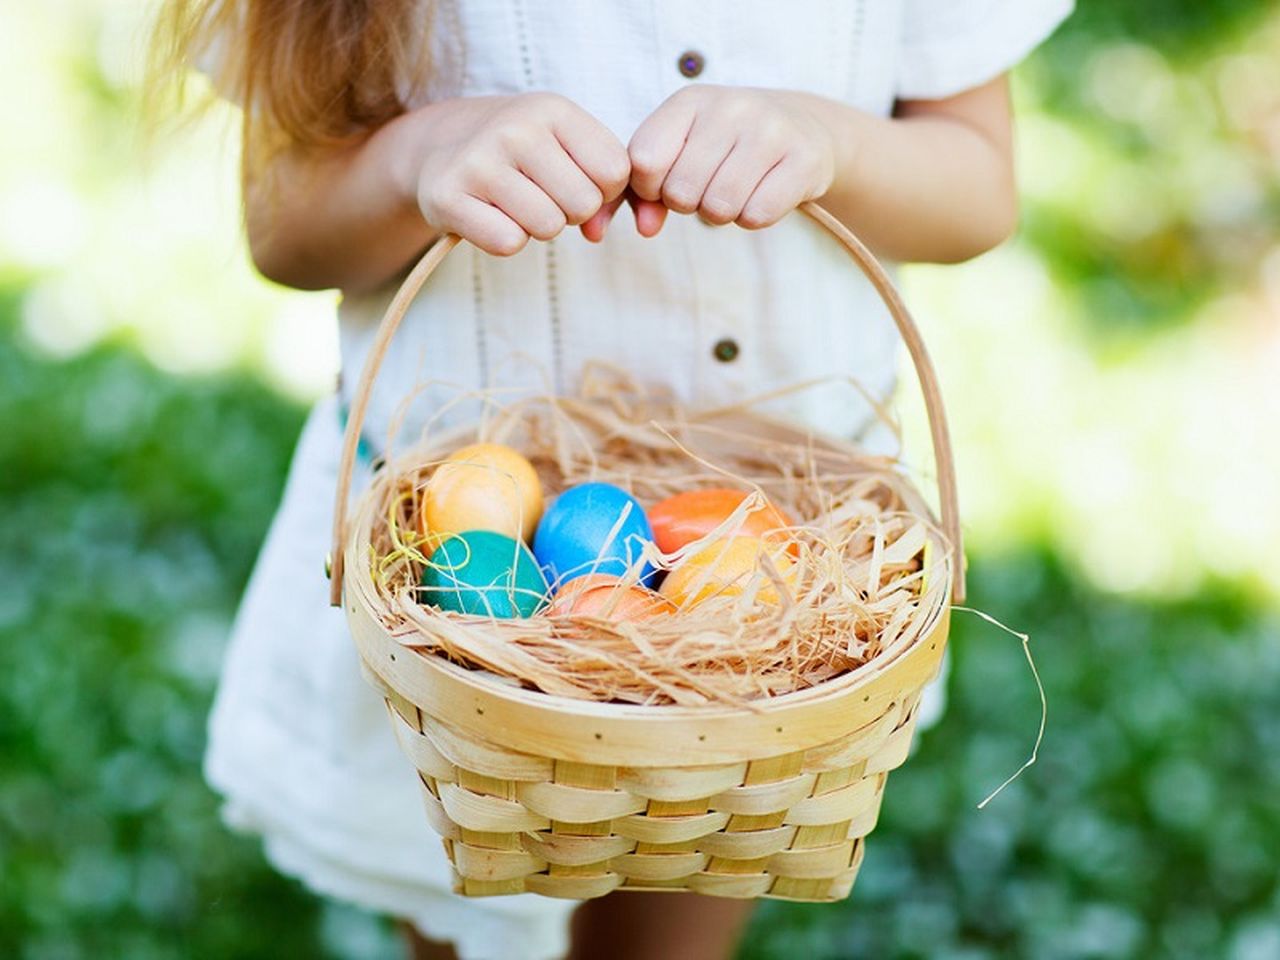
499 170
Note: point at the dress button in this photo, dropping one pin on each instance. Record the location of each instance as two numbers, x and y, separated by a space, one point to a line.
726 350
691 63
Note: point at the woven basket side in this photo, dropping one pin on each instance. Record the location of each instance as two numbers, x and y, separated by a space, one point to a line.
789 826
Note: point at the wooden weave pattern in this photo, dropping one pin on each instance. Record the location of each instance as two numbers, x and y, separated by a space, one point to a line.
788 826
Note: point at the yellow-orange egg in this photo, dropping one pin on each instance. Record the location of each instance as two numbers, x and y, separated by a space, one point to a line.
725 568
484 486
602 595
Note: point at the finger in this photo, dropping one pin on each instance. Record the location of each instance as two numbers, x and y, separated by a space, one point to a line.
560 177
657 143
526 203
487 227
737 178
650 216
704 151
595 227
779 192
594 148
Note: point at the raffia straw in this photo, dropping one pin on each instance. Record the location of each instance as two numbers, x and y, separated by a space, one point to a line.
1044 702
858 589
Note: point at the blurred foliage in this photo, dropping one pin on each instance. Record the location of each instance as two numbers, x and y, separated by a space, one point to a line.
1165 113
133 506
1147 829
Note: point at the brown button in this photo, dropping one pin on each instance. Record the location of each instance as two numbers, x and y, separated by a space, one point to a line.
726 350
691 63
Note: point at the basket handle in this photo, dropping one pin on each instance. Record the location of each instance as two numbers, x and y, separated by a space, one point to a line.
857 251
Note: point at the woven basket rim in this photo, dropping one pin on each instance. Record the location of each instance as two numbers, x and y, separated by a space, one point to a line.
565 728
844 683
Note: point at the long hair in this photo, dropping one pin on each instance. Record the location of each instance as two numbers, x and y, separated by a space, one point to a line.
307 72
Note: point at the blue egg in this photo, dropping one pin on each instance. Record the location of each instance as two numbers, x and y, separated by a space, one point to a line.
571 537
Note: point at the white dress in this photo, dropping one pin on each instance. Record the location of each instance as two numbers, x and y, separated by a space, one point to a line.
299 746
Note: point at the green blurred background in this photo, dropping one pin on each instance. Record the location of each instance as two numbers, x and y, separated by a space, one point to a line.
1114 380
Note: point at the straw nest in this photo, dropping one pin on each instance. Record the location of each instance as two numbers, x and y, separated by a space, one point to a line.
871 573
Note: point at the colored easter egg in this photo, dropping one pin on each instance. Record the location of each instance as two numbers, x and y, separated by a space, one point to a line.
724 568
689 516
483 573
604 596
573 536
484 486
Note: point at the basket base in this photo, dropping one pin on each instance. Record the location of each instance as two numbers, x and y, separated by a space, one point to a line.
740 886
500 847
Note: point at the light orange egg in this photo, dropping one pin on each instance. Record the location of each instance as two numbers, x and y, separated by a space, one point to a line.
602 595
484 486
691 515
725 568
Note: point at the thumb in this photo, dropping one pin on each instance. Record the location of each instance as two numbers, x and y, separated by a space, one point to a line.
595 227
650 215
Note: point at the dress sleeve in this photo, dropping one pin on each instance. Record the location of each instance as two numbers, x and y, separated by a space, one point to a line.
949 46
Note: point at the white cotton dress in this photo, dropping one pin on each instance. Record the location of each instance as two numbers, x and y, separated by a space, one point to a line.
299 745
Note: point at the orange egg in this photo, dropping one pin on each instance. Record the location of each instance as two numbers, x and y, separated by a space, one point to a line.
725 568
691 515
484 486
602 595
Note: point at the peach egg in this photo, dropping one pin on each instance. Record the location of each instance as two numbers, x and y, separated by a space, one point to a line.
602 595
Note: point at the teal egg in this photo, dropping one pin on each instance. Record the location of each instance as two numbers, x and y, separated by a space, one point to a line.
483 573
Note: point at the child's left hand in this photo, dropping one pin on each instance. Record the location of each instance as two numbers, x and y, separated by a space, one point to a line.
730 154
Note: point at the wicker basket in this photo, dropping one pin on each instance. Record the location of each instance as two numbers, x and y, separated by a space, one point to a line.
569 798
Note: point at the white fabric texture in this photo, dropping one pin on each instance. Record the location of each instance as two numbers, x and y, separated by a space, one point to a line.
299 745
948 46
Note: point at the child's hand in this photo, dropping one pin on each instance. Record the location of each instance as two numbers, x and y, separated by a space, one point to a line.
732 154
499 170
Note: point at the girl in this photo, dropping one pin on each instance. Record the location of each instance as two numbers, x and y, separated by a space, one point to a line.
373 126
